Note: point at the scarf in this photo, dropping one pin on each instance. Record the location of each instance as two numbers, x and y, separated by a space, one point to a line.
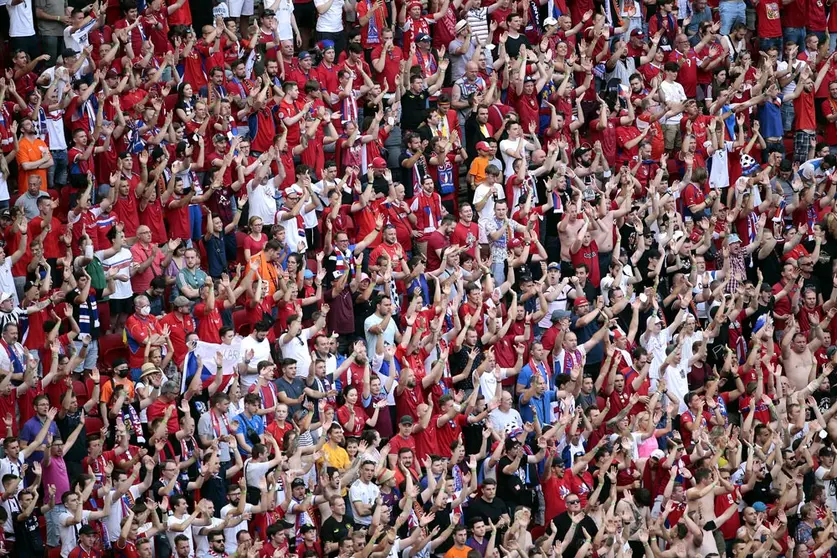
132 422
216 426
373 34
185 454
349 108
17 364
543 367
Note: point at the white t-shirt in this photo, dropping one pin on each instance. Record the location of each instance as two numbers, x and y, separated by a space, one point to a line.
719 173
7 285
172 520
830 487
55 129
283 20
297 349
202 541
21 22
230 533
332 20
12 506
262 200
365 493
487 211
489 382
388 333
294 234
255 472
673 93
122 262
117 512
69 534
261 351
511 145
500 420
4 189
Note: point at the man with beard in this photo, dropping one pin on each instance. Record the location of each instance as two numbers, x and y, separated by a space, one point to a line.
477 129
33 156
238 506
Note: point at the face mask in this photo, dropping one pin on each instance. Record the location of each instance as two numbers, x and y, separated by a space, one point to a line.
124 373
145 311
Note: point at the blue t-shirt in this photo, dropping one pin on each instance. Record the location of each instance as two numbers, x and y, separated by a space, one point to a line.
254 425
770 118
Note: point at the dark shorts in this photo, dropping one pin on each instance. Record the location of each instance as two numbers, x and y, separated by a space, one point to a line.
306 15
122 306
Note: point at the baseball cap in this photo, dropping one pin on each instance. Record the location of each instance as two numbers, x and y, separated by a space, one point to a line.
652 320
733 238
86 530
5 214
325 44
637 33
559 315
829 352
181 301
117 362
308 274
305 528
4 297
580 301
406 419
293 190
422 37
297 482
515 243
304 54
550 21
379 163
658 454
760 507
482 146
554 265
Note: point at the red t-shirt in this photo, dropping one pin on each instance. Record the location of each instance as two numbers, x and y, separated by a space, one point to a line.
209 321
687 77
589 255
769 22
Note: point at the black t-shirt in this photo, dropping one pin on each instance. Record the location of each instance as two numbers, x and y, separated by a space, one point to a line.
493 510
562 525
413 110
66 426
28 541
511 487
215 488
513 45
334 531
408 174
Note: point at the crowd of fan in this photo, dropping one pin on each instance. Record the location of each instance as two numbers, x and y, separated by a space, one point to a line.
465 278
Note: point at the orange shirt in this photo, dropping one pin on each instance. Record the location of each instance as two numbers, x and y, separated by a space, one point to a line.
458 552
30 151
478 166
107 389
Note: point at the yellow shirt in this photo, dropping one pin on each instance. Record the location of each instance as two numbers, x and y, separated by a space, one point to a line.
336 457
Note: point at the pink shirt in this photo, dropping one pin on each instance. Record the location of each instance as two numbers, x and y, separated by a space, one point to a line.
56 473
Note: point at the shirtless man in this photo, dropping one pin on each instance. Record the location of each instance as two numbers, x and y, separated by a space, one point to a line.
798 353
702 497
574 219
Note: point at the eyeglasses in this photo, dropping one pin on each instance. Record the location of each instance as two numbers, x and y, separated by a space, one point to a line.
573 502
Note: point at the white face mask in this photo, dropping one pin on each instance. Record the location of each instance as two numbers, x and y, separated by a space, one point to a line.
145 311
